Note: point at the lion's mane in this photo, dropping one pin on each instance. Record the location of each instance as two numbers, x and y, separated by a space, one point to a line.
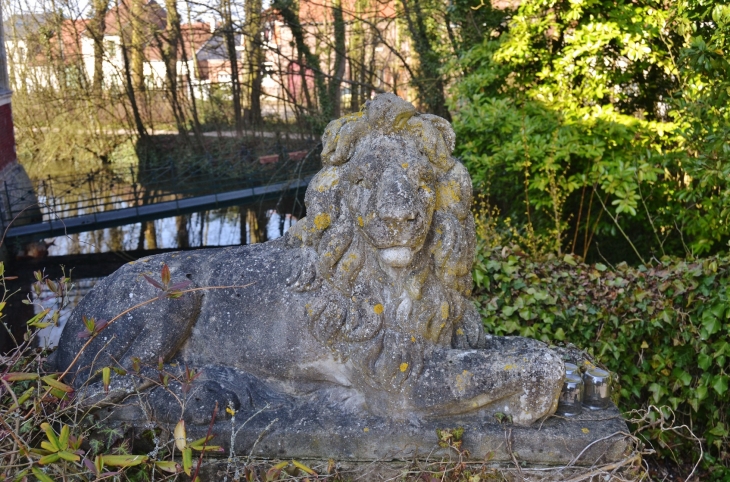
436 309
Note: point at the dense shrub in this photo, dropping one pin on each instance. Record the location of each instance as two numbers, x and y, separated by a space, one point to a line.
664 328
603 122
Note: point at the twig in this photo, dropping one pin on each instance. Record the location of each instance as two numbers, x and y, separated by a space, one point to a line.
615 221
205 442
508 436
605 468
258 439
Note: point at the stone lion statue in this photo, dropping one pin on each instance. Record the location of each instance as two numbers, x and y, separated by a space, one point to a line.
363 304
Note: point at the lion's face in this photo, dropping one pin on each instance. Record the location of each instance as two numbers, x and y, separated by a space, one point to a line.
390 192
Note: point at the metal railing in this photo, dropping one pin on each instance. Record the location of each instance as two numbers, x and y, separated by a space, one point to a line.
63 198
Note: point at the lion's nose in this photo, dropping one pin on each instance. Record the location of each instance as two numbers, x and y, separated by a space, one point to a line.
396 200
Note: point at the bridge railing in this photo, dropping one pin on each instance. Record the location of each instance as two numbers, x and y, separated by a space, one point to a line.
104 190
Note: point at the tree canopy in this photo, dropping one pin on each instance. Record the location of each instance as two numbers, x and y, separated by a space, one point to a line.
601 128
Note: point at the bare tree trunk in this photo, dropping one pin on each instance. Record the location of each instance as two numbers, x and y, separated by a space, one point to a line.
357 55
255 56
97 27
129 85
291 19
191 89
137 44
335 85
141 131
429 81
230 37
170 53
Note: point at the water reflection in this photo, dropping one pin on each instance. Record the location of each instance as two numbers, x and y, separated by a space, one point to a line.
220 227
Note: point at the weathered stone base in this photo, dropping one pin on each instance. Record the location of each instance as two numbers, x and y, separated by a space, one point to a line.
318 430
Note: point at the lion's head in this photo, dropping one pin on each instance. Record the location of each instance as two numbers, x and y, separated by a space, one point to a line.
389 218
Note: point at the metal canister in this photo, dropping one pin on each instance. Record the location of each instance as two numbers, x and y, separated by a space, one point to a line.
597 395
569 403
571 368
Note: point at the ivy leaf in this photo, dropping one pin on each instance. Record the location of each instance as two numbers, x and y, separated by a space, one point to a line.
704 361
719 430
720 384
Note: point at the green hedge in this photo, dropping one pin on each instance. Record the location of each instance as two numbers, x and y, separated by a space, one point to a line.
663 328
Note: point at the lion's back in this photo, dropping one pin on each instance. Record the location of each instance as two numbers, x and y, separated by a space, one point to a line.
237 305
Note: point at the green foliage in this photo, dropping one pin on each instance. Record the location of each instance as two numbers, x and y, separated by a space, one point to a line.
663 328
603 122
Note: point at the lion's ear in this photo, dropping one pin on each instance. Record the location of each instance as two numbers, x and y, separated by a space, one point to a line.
444 127
431 142
340 137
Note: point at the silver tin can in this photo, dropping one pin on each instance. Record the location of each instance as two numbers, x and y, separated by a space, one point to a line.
571 368
597 395
571 397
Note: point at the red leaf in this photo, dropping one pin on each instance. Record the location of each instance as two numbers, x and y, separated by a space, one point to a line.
165 275
153 282
180 286
90 465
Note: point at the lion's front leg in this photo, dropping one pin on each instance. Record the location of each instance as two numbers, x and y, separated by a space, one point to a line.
519 377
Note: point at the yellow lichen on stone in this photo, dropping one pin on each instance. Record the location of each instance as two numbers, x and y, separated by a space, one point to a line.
327 179
403 367
510 367
463 380
413 339
459 331
404 165
360 221
584 430
402 119
447 193
366 429
347 262
322 221
444 310
378 309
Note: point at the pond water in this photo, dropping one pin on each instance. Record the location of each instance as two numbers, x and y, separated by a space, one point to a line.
220 227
